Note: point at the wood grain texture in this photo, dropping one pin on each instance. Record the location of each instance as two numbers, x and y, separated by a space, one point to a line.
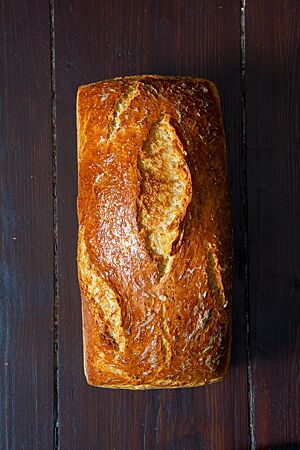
273 140
95 42
26 265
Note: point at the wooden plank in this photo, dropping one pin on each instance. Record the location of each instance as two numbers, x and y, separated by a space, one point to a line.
96 42
26 218
273 140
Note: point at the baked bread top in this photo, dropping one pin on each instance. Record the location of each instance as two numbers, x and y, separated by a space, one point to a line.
154 247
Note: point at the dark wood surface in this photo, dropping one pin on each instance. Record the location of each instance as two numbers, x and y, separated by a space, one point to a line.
26 227
257 406
273 171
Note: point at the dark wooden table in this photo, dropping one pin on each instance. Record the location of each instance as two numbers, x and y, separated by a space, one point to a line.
252 52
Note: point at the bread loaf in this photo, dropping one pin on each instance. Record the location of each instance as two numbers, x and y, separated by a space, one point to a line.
154 244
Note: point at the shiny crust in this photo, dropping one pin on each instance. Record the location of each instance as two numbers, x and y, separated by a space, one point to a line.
153 318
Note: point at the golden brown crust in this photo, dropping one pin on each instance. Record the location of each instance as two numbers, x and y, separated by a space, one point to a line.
154 247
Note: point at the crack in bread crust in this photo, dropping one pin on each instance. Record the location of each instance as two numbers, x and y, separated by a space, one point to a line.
214 275
102 297
165 189
120 108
